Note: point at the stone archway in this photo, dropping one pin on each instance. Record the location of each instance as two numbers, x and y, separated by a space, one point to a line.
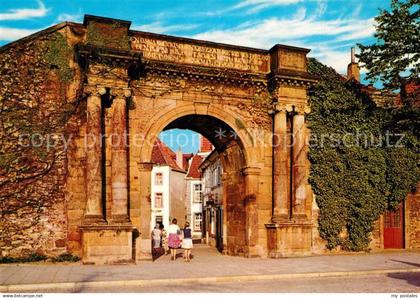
152 82
239 174
165 118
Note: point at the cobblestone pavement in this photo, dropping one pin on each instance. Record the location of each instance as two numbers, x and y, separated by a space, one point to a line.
207 262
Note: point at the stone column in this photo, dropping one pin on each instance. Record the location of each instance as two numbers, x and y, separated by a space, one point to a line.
280 166
251 208
299 163
143 248
119 158
93 147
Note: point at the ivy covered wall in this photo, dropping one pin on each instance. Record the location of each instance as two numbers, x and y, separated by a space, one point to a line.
35 121
364 159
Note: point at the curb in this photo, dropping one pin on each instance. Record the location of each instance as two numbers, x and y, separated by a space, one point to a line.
78 286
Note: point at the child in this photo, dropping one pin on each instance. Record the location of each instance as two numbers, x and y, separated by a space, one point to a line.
187 244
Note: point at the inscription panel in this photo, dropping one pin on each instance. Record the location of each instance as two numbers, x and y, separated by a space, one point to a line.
292 60
199 55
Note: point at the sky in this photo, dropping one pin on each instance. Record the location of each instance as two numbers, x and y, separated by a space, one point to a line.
328 27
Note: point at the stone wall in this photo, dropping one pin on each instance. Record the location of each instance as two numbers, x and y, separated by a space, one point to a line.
176 197
233 202
39 101
413 220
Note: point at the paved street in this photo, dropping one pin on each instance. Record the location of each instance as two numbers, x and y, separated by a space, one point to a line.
210 268
391 283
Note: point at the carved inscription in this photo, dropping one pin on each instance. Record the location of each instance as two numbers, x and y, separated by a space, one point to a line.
200 55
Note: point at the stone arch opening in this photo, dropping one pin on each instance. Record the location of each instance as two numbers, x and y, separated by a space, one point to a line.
230 216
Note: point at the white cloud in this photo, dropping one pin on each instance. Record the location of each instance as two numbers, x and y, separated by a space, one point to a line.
10 34
252 6
24 13
279 30
257 5
367 29
158 27
65 17
335 58
301 30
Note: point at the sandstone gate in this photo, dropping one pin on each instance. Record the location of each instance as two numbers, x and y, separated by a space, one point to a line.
137 84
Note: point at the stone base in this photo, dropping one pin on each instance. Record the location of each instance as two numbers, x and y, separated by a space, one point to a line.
289 239
254 252
143 249
107 244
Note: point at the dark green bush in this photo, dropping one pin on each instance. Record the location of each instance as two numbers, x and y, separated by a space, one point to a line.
66 257
33 257
36 257
355 184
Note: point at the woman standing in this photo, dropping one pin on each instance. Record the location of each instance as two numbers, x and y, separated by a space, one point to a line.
156 238
187 243
164 239
173 238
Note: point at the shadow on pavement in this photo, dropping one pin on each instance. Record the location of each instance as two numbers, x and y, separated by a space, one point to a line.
412 278
408 263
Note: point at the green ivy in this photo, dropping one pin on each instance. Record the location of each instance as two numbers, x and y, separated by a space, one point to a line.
58 55
33 257
113 36
36 257
355 178
66 257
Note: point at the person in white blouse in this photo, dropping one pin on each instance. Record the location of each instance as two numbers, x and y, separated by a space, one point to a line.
173 238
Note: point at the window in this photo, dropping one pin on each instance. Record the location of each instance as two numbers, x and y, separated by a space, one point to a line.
214 172
216 198
159 219
197 195
158 178
387 219
397 220
158 200
198 219
392 219
219 175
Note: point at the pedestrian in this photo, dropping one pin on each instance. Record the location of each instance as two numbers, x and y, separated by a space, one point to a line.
164 239
173 238
187 243
156 238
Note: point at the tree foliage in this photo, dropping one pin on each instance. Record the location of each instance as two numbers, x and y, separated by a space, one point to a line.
395 57
364 159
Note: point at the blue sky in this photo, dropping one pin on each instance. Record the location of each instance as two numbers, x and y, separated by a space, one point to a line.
328 27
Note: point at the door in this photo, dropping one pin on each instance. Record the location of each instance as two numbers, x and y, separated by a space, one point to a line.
219 229
394 228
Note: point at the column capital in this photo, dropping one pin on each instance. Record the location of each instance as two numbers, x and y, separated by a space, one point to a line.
302 109
280 107
94 90
251 171
121 92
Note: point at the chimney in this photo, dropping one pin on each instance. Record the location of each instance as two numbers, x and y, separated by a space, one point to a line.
179 158
353 70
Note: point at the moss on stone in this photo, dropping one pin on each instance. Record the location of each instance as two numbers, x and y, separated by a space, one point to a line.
108 36
58 55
